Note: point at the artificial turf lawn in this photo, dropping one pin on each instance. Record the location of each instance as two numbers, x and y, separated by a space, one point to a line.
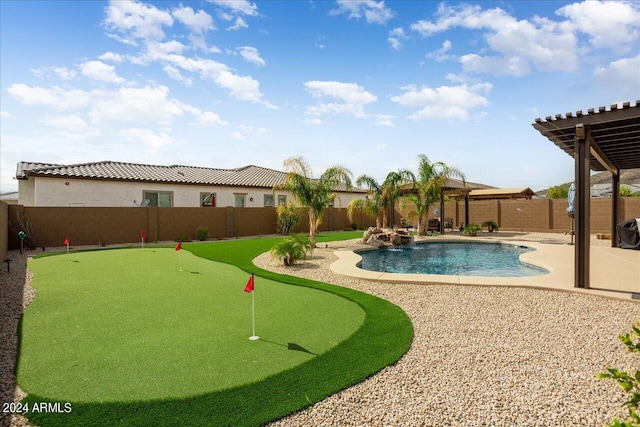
128 325
383 338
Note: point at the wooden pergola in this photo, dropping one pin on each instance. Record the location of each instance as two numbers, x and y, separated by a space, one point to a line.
601 140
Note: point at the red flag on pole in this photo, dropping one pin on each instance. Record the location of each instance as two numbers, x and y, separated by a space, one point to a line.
249 287
66 241
178 246
144 235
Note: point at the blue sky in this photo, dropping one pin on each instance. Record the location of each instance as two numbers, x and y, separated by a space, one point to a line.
366 84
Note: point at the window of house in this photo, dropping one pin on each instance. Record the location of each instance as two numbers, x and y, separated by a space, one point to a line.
282 200
268 200
163 199
208 199
240 200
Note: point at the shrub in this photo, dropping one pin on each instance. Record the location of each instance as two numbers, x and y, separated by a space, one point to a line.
471 230
182 238
202 233
289 218
629 383
491 226
354 226
291 249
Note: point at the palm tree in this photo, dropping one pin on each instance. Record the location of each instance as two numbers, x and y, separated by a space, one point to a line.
313 193
432 177
379 196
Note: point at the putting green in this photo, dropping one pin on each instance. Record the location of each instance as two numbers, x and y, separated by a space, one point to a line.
126 325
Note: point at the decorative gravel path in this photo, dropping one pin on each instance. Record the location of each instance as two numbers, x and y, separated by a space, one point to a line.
481 356
484 356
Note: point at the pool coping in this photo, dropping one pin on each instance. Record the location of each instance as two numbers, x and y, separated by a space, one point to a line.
556 258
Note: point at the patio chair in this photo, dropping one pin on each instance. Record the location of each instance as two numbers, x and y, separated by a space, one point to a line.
433 225
448 223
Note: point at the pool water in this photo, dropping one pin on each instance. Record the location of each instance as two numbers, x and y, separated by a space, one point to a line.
452 258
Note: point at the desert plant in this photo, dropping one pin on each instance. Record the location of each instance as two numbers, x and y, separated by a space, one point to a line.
289 217
182 238
491 226
291 249
313 193
558 191
202 233
354 226
427 188
629 383
471 230
625 191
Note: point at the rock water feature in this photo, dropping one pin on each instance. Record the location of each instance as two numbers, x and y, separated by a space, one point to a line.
382 238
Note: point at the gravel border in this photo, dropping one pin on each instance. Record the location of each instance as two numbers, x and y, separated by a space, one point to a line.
484 356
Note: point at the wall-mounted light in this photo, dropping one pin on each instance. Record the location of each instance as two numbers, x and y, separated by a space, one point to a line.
66 183
251 199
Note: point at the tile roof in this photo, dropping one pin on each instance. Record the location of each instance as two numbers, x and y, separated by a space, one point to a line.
247 176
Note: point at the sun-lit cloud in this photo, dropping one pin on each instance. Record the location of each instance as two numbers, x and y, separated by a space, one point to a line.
384 120
136 20
623 72
372 11
150 138
351 98
198 22
111 57
97 70
515 45
440 54
71 123
250 54
55 97
238 6
444 102
608 24
396 37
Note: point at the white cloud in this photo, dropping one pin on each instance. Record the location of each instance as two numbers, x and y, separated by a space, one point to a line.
250 54
71 123
136 20
98 70
395 38
239 24
621 73
609 24
152 140
65 73
237 136
198 22
312 121
174 73
111 56
519 44
439 55
6 115
373 11
444 102
384 120
58 98
352 98
238 6
140 105
208 118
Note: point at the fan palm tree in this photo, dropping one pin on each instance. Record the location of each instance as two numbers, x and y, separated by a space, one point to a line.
432 177
379 196
313 193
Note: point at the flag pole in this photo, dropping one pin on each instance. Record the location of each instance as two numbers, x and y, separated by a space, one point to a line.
253 337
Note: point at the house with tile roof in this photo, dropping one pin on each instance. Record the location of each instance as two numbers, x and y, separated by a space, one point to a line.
119 184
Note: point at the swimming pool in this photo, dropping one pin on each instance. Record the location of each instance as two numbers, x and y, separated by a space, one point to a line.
452 258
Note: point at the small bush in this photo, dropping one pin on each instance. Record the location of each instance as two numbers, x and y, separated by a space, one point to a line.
202 233
471 230
630 383
491 226
289 218
182 238
291 249
354 226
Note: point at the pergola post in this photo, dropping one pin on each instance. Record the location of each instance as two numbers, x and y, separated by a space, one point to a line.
466 208
582 206
442 211
615 200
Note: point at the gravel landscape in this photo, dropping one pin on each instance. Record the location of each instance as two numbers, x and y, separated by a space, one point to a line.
484 356
481 356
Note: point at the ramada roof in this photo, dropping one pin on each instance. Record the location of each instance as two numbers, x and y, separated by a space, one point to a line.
247 176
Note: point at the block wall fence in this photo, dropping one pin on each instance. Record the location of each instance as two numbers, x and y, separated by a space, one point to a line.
117 225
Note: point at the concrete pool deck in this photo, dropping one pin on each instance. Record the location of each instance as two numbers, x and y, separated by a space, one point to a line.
614 272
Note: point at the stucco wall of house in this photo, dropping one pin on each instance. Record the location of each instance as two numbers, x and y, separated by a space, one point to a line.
52 192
